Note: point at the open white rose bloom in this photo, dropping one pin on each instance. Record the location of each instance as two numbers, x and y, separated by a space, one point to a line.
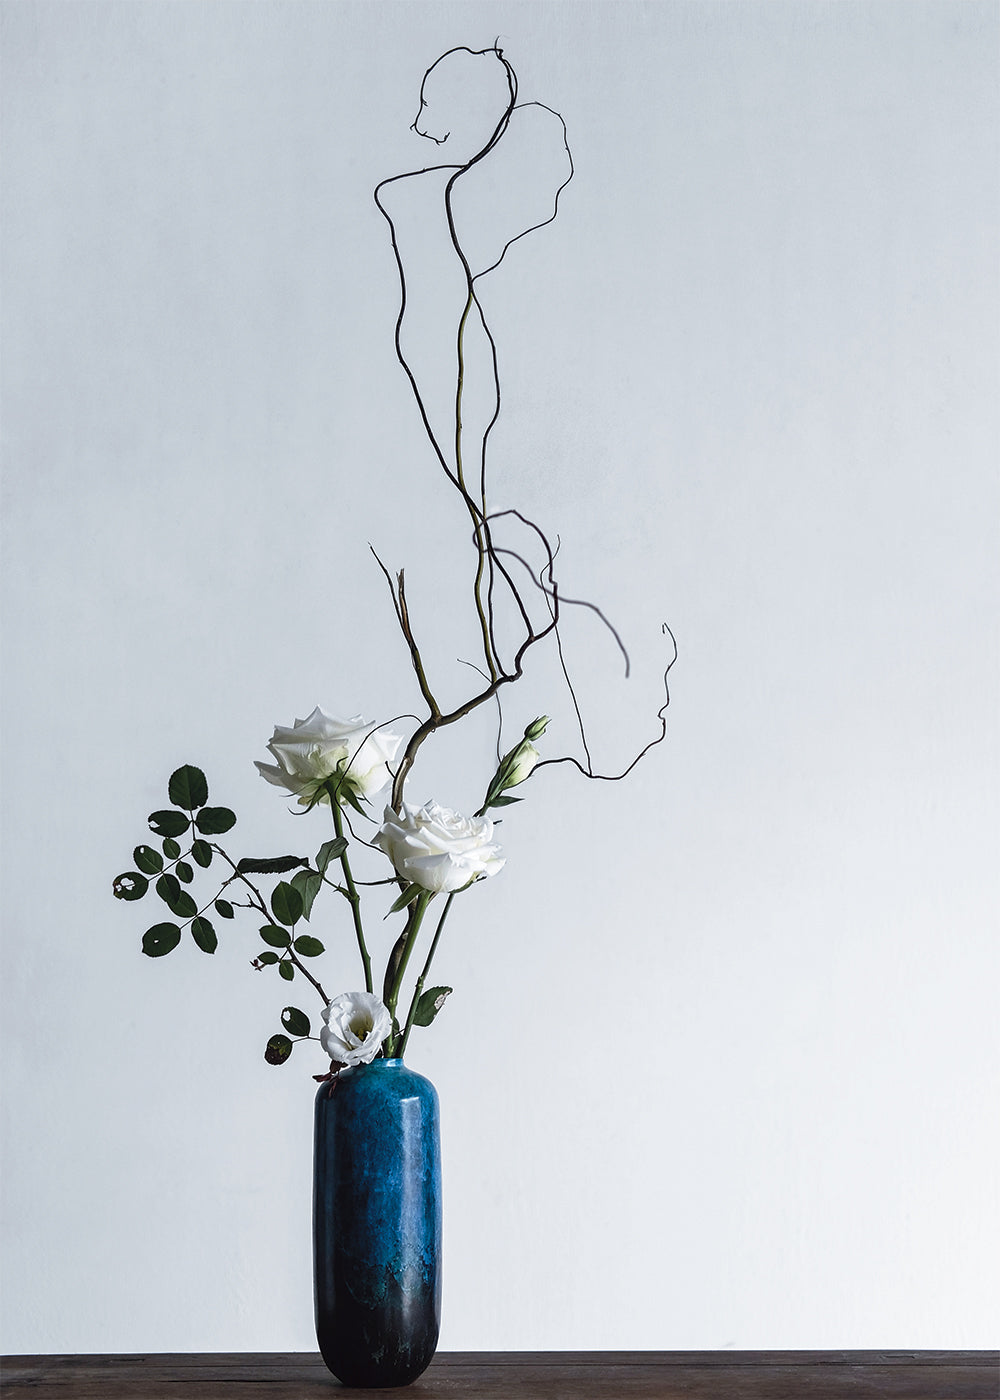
438 849
322 747
356 1025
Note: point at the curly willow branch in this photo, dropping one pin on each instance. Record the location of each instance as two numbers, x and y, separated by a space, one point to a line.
494 577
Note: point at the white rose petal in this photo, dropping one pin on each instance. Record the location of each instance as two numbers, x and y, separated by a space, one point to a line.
322 747
356 1025
439 849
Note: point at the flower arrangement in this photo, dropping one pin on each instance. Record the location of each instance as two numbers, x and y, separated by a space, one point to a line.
433 853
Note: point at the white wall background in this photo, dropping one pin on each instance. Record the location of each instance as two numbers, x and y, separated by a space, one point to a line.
721 1065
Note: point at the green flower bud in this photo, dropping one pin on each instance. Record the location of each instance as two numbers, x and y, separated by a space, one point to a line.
536 728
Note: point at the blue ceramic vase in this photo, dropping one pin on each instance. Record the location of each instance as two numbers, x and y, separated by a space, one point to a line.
377 1224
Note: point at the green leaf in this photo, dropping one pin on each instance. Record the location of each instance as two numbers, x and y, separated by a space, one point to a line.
287 970
277 937
171 849
160 939
204 935
308 883
504 801
224 909
168 823
268 958
276 866
286 904
295 1022
202 853
330 850
184 872
168 887
130 886
178 901
149 861
430 1004
188 788
279 1047
411 893
308 946
212 821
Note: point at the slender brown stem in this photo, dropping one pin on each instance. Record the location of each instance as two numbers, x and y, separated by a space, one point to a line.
262 908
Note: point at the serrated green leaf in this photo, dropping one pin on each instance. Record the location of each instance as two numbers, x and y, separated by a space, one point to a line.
184 872
224 909
430 1004
330 850
160 939
267 958
188 788
202 853
287 970
204 935
307 946
277 865
213 821
168 823
171 849
286 904
295 1022
276 937
308 883
279 1047
130 886
148 860
411 893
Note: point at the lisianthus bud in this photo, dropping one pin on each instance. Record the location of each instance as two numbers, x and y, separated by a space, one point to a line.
536 728
519 764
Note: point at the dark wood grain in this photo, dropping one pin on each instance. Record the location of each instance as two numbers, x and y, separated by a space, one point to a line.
690 1375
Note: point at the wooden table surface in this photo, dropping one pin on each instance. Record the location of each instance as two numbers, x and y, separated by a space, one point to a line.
554 1375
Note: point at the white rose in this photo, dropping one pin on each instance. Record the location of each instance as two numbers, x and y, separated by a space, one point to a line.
438 849
356 1025
321 747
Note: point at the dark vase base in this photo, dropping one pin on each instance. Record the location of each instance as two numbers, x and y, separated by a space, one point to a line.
387 1346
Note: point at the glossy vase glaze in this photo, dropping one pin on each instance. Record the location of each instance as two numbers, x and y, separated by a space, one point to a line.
377 1224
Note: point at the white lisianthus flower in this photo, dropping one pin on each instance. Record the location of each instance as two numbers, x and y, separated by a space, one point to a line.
356 1025
321 747
438 849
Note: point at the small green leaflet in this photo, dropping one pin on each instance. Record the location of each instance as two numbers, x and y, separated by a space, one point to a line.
204 935
330 850
131 885
279 1047
295 1022
188 788
430 1004
160 939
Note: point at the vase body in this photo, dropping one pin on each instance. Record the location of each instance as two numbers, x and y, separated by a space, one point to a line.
377 1224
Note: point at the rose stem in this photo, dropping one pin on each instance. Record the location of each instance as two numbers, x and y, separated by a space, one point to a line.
352 893
423 976
416 917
